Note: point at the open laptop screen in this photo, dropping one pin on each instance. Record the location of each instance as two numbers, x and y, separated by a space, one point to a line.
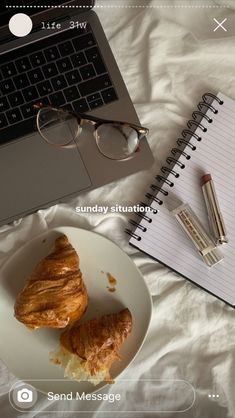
6 11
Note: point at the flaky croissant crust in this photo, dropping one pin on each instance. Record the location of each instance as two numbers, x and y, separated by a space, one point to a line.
98 341
55 294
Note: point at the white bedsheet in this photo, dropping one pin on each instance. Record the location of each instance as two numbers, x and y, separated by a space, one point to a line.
191 336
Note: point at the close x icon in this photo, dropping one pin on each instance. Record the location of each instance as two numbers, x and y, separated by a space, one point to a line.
220 25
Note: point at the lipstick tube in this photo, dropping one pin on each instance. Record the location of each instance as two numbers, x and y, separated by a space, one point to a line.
216 221
195 231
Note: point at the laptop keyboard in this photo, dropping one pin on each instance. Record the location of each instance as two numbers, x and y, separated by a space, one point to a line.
65 70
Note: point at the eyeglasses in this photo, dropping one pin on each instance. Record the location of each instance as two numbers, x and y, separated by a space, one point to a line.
115 140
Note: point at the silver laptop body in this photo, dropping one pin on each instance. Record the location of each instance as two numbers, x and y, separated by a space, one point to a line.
35 175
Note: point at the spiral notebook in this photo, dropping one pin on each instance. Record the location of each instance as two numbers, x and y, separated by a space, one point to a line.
207 145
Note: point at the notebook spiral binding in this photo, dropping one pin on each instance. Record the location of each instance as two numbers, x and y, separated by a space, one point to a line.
172 161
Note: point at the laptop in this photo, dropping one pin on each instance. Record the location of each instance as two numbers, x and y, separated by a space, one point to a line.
63 67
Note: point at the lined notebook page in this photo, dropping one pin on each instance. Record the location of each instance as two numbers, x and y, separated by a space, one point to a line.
165 240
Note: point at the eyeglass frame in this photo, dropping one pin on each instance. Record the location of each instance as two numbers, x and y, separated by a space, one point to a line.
96 123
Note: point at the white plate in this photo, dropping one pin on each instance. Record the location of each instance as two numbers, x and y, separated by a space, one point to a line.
25 352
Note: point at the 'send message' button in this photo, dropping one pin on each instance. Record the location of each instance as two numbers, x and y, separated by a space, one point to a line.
129 395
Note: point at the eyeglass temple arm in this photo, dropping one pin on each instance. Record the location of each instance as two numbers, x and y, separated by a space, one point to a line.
99 121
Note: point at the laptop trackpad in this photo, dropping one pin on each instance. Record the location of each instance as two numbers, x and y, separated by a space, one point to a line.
35 174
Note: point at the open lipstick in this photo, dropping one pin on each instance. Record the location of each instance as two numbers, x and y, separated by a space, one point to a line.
214 213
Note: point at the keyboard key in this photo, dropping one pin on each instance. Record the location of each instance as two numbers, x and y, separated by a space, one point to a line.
109 95
87 72
30 93
16 99
71 94
37 59
93 97
94 85
14 116
68 107
64 65
49 70
59 82
81 106
73 77
78 59
35 76
3 121
23 65
96 103
4 104
51 54
66 48
9 70
28 110
45 101
21 81
82 42
44 88
57 99
93 55
6 87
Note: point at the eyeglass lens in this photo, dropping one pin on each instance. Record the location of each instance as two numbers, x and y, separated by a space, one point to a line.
116 141
58 127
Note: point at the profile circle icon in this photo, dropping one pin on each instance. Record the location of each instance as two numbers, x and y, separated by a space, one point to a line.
20 25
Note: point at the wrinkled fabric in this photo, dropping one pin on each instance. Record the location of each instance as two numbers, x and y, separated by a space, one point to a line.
191 336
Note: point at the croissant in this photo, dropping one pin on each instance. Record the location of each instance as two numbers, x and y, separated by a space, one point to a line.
88 350
55 294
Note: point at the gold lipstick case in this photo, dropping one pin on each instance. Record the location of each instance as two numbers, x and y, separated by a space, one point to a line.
195 231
